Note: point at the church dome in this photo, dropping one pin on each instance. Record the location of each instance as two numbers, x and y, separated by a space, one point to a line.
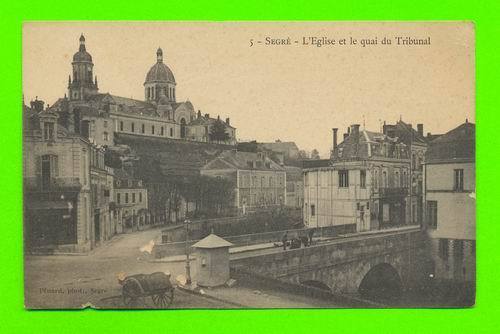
82 54
160 72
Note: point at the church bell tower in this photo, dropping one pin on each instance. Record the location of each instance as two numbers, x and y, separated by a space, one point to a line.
83 84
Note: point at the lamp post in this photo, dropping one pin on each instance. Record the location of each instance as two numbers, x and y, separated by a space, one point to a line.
188 267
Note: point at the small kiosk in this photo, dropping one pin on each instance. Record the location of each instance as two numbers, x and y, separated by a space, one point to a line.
212 261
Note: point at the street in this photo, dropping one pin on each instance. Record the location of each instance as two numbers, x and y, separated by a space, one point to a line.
69 281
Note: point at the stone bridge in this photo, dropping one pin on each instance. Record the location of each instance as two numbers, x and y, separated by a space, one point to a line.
387 262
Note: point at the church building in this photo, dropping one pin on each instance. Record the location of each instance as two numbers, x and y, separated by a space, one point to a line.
98 116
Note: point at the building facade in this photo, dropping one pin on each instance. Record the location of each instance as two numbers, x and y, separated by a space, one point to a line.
131 198
450 197
417 144
259 181
294 187
364 184
58 202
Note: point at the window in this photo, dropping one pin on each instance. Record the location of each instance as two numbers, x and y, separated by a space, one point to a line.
126 197
432 214
143 128
375 178
152 129
121 126
48 131
118 198
140 197
105 124
171 132
48 169
133 197
362 179
343 178
385 182
313 210
162 132
458 180
105 136
443 249
132 127
397 180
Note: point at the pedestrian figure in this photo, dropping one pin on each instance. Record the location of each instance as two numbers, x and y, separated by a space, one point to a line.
310 233
305 241
284 239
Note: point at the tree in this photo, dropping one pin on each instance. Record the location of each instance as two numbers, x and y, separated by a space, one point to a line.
218 132
315 154
303 155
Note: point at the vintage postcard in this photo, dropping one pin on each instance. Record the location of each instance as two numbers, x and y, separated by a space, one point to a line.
249 164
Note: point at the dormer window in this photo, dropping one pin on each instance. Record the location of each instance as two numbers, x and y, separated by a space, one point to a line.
48 131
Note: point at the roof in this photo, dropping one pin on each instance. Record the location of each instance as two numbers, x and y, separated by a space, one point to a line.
204 120
160 72
316 163
82 55
243 161
281 146
363 145
408 134
457 144
212 241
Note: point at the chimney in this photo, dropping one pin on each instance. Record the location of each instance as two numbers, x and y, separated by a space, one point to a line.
355 129
420 129
384 128
228 121
346 135
348 130
199 113
334 137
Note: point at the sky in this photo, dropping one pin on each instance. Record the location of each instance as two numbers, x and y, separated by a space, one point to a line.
291 92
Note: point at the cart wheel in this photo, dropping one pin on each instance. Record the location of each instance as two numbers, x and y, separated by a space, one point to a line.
164 299
129 300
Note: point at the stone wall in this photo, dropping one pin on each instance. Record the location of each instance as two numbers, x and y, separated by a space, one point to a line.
342 265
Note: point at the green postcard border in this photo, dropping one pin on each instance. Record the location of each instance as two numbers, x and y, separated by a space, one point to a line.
482 318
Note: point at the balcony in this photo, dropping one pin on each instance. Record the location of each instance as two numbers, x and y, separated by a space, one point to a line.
52 184
393 192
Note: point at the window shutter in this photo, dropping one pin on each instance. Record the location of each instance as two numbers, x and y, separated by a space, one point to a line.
55 166
38 166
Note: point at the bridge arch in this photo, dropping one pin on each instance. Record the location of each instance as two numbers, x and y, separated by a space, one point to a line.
382 281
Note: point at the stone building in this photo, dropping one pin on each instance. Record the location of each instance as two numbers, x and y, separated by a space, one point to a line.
259 181
294 187
450 197
200 130
99 116
131 199
417 144
59 185
364 184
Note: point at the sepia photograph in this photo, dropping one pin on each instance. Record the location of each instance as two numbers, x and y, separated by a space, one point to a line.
242 165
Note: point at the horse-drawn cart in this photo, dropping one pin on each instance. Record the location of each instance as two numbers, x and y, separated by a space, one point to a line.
156 285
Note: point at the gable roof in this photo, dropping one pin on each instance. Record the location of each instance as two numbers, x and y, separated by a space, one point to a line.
212 241
243 161
456 145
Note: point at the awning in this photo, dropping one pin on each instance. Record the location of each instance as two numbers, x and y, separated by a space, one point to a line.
50 205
